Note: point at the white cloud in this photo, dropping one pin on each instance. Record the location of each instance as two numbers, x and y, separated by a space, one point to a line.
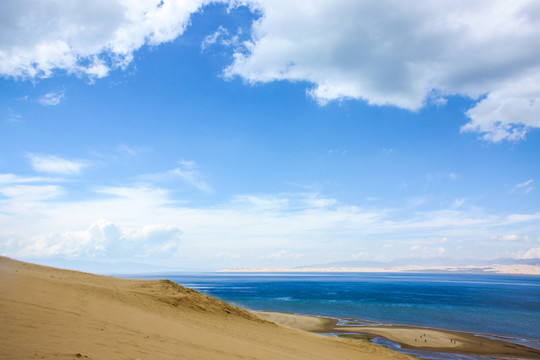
89 37
533 253
385 52
145 220
14 117
284 255
56 165
508 111
224 255
52 98
187 171
131 151
524 184
213 38
401 53
524 187
517 218
511 237
106 239
147 196
458 203
31 192
15 179
441 240
426 252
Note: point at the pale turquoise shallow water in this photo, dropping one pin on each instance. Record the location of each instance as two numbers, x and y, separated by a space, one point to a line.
499 305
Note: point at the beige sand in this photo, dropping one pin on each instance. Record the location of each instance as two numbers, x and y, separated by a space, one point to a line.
410 337
49 313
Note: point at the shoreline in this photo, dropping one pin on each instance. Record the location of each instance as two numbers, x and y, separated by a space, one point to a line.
51 313
408 337
62 314
494 269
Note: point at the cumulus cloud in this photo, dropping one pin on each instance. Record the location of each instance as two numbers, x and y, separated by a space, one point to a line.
145 220
56 165
508 111
533 253
106 239
401 53
384 52
84 37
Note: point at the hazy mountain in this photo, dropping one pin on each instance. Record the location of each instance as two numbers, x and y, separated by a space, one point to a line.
424 262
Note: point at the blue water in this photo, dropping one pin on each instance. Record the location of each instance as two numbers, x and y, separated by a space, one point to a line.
499 305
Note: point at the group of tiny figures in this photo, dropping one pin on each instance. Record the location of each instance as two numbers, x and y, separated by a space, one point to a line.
425 340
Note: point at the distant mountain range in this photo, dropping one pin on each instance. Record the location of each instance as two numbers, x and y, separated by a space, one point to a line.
436 264
423 262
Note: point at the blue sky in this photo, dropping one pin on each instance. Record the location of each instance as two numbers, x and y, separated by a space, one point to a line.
269 133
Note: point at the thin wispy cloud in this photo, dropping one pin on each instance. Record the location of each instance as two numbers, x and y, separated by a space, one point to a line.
16 179
150 221
56 165
14 117
387 109
52 98
131 151
31 192
284 255
524 187
214 37
187 171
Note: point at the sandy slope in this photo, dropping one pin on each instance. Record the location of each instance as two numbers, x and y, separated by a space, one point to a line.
50 313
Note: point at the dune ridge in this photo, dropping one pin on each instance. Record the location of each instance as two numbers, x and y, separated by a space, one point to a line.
48 313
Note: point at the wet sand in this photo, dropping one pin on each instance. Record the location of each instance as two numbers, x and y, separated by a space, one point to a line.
409 337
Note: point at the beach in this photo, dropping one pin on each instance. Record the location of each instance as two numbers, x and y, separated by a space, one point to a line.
49 313
408 337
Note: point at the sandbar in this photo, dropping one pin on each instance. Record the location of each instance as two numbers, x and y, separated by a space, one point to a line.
409 337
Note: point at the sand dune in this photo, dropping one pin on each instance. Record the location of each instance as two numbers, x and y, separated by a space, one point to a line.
48 313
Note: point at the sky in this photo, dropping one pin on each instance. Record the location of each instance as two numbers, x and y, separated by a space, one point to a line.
269 133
